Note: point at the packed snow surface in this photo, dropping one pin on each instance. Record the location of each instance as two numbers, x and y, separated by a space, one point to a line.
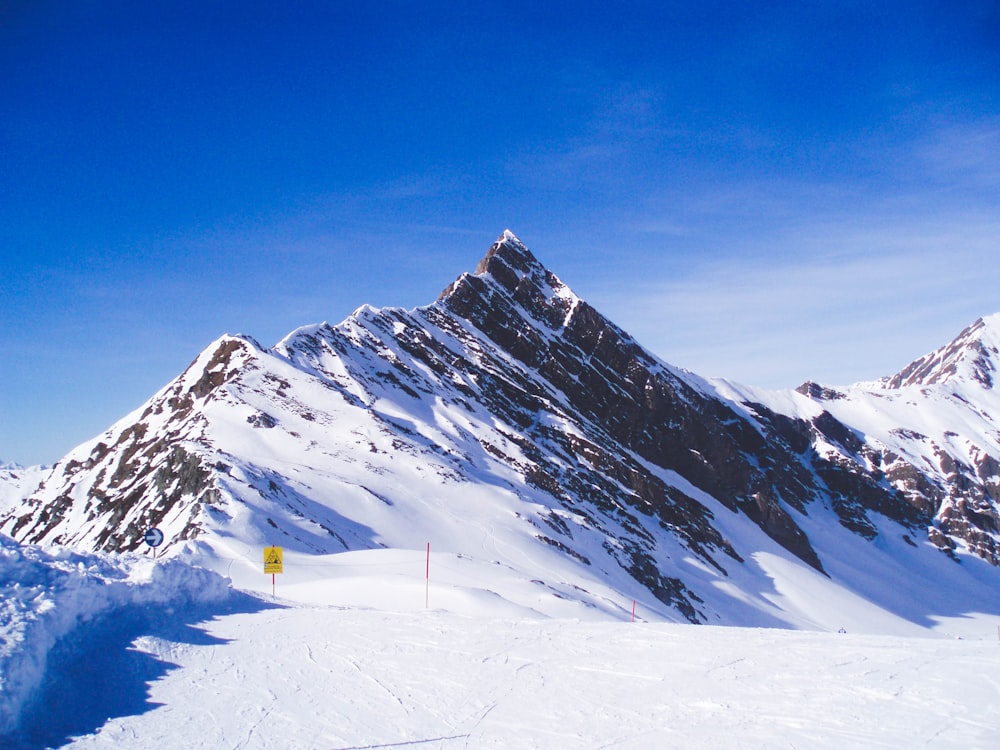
363 650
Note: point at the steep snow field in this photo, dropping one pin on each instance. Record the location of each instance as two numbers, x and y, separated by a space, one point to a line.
358 651
17 482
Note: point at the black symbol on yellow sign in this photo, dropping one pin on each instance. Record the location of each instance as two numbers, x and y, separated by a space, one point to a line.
273 560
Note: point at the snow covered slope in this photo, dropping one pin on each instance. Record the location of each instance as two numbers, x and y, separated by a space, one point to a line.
514 428
17 483
116 651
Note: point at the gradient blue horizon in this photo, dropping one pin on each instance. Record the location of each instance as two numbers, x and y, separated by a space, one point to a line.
769 193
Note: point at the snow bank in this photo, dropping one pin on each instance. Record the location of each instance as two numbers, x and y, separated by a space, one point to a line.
47 592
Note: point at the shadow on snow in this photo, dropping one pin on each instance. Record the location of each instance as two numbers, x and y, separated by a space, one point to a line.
96 674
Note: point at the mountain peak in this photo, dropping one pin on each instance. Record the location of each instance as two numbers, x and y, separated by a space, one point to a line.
509 236
511 269
971 357
509 251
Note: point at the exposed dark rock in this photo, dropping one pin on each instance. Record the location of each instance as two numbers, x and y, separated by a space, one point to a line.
819 392
261 419
217 371
837 432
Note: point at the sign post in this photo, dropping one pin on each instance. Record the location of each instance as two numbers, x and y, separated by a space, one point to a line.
154 538
273 563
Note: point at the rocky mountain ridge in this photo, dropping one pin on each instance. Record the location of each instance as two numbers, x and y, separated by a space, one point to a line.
511 410
935 437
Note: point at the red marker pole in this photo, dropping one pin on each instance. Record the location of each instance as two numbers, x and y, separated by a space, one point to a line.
633 610
427 578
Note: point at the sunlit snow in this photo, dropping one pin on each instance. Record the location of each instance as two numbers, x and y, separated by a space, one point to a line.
362 650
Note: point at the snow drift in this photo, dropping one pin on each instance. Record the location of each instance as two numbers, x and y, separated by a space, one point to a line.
47 593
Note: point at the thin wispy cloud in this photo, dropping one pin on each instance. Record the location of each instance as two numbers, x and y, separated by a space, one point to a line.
966 154
837 303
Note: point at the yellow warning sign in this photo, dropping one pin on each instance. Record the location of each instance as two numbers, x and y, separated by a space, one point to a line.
272 560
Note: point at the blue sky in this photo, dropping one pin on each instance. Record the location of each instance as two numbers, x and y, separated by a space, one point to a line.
770 192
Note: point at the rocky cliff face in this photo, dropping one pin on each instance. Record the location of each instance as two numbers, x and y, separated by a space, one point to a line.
512 398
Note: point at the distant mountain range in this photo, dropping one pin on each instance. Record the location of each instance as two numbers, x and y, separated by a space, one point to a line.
510 421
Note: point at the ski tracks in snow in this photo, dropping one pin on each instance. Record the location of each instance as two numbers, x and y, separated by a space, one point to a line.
353 679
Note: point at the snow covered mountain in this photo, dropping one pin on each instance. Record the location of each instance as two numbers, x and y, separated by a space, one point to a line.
17 482
931 432
510 423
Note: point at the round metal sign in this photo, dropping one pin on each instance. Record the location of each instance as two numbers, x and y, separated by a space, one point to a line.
154 537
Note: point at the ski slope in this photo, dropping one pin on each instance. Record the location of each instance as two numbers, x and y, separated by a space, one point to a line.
361 651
